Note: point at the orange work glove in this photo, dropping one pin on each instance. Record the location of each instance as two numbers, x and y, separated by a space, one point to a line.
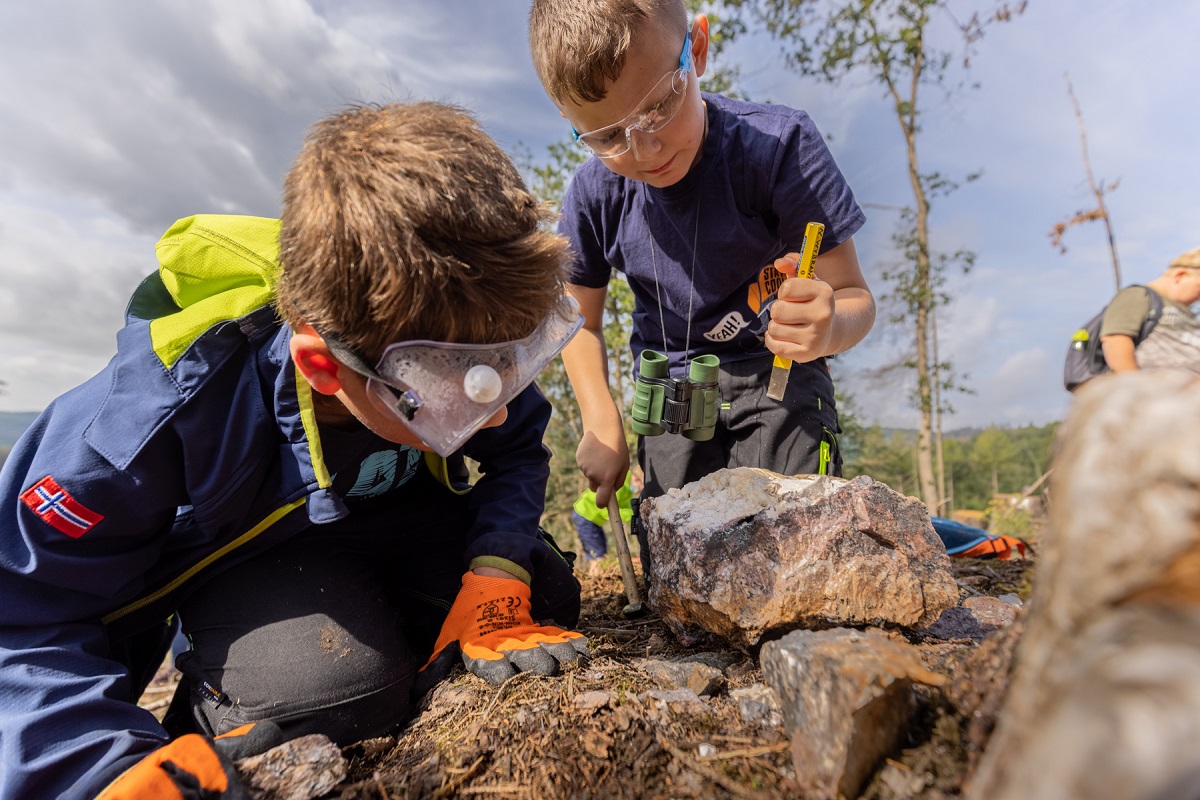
195 768
491 626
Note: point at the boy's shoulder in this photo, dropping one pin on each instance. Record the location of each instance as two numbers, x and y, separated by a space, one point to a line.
766 117
593 182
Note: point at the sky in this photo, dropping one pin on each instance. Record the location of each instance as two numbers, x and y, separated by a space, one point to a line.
117 118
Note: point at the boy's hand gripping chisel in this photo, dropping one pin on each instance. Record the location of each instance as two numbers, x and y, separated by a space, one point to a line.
782 367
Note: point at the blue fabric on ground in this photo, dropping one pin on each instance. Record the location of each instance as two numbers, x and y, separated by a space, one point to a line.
957 536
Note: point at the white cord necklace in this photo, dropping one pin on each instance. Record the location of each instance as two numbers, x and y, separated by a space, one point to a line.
687 343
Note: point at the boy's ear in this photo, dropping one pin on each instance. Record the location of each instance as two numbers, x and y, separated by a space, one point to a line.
312 357
700 43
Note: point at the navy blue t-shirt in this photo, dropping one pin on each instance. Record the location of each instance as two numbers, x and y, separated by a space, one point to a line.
764 174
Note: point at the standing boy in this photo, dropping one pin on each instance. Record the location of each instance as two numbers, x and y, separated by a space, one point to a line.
276 455
702 201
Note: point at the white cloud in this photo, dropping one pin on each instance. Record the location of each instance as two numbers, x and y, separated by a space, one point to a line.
118 118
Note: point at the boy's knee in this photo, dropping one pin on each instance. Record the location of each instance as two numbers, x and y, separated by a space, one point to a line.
320 680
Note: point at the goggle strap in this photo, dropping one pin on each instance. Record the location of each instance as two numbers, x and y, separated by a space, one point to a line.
407 401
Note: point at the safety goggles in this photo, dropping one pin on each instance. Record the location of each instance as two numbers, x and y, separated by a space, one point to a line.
653 114
444 392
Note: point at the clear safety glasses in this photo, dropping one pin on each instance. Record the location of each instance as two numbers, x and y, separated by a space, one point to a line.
444 392
657 109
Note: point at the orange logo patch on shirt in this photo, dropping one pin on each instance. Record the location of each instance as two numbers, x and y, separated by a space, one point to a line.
769 281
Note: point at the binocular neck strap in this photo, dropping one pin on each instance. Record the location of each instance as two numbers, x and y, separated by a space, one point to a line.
687 342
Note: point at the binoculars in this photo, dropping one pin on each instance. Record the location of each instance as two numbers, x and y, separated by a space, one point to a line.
662 404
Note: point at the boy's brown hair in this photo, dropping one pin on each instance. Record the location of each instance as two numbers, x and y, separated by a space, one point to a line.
407 221
578 45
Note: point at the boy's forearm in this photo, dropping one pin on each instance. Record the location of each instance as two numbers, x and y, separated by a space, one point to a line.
853 317
586 361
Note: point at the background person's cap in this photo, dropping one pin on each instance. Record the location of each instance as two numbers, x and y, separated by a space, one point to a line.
1189 259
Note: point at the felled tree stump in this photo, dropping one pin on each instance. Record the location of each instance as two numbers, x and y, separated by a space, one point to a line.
744 552
1105 696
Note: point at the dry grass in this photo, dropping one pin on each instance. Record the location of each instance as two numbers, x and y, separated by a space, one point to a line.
604 730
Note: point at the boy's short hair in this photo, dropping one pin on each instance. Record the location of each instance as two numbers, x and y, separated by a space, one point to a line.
578 45
1190 259
407 221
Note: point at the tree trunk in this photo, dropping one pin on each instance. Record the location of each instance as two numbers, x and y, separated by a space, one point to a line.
939 454
921 288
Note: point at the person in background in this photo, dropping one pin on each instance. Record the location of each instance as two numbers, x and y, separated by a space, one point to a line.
591 521
1174 341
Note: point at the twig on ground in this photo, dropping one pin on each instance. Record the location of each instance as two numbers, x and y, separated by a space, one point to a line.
714 776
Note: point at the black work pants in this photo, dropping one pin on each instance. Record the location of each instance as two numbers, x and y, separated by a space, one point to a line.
325 633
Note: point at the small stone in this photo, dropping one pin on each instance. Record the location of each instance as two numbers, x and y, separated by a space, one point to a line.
847 701
757 703
684 674
593 701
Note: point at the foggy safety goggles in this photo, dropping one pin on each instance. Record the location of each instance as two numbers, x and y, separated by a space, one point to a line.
653 114
444 392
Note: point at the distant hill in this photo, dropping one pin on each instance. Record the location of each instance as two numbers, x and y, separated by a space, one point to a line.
13 424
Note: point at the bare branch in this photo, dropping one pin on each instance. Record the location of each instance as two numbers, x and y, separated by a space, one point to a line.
1100 212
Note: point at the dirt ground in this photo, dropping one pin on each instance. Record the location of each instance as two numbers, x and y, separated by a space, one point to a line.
596 731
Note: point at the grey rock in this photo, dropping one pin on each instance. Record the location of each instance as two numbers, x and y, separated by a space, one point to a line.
847 699
975 619
758 703
593 701
683 674
678 701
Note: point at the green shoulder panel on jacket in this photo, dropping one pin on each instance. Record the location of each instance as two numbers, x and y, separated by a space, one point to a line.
216 268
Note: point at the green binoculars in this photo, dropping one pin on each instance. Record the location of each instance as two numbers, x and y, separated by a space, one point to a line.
662 404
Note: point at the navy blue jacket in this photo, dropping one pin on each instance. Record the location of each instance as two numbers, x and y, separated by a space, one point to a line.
195 448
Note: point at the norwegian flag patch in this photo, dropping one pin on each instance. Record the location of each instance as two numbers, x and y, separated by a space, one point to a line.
58 509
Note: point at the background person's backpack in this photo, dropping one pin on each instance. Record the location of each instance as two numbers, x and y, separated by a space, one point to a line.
1085 356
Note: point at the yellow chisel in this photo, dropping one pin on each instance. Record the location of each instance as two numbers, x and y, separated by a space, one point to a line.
809 248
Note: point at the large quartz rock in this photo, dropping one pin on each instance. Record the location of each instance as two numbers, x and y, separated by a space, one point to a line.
744 552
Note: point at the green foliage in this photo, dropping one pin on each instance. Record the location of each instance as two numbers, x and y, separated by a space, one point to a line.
979 464
1004 520
723 29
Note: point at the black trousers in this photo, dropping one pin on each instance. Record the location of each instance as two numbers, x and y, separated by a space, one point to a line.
325 633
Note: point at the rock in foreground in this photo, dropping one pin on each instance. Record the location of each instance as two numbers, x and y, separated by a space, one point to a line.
1105 698
745 551
847 702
